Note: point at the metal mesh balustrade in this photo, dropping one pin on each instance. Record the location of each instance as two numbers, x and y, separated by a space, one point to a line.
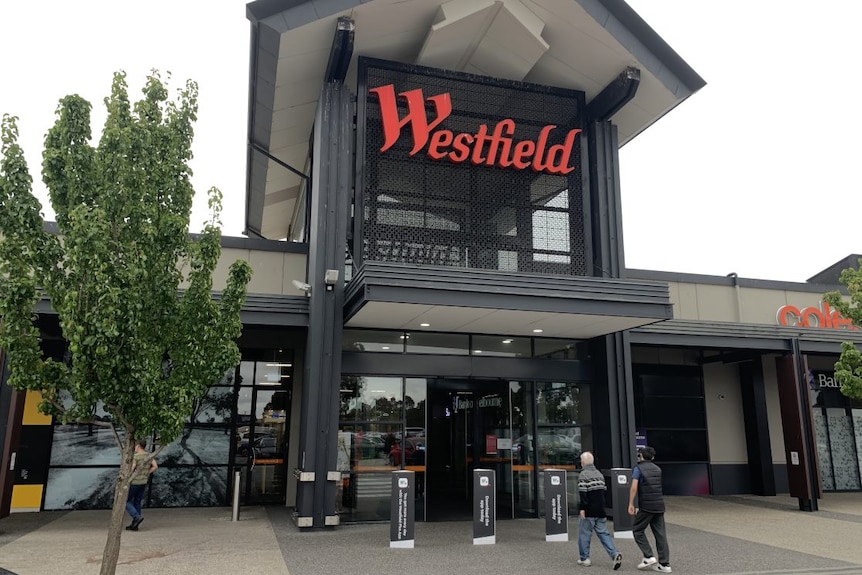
422 211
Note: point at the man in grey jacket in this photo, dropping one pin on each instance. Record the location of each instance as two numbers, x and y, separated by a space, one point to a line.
646 484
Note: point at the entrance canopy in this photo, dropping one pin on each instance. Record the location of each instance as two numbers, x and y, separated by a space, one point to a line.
578 44
454 300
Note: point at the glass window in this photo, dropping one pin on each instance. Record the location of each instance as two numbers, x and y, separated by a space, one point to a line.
523 455
507 260
559 447
563 403
558 349
501 346
370 340
551 231
268 373
203 444
437 343
370 398
200 486
246 373
215 406
83 444
363 457
415 395
80 488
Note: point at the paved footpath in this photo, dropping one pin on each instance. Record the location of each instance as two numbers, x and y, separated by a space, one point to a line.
735 535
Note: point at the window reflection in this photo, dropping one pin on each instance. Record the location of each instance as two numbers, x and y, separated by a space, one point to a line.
556 403
366 455
437 343
370 398
372 340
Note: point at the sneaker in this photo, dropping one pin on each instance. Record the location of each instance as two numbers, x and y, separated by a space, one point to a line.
136 522
618 560
647 562
585 562
662 569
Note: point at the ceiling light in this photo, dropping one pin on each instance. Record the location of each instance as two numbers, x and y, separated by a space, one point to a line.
477 351
268 383
279 365
507 341
385 347
537 331
424 325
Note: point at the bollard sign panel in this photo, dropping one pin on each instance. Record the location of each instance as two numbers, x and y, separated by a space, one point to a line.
403 511
556 506
620 484
484 507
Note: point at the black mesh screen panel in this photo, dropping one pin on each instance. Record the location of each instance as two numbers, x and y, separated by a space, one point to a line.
494 197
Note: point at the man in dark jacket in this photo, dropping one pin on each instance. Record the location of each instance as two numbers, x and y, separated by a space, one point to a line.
591 491
646 484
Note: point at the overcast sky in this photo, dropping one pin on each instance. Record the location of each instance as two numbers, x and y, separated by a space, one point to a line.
754 174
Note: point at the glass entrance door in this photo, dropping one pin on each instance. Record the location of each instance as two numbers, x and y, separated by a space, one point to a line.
263 404
469 427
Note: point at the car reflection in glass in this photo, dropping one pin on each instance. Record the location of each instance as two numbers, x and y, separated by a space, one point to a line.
244 438
410 450
266 447
554 449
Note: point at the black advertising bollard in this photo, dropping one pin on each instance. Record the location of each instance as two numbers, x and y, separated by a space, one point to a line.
484 507
402 515
556 505
621 482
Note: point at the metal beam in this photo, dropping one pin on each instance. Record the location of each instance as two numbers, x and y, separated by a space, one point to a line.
261 150
341 51
614 96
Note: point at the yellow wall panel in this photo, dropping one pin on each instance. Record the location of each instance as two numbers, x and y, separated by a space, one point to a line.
31 410
26 497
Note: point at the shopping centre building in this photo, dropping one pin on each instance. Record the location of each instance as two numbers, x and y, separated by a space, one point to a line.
433 219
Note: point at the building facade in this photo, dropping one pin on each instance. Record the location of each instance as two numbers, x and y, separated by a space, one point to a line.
433 212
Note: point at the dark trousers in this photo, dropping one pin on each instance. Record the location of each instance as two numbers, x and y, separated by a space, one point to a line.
135 500
656 522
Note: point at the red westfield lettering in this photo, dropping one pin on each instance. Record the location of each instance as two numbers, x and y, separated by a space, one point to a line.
823 316
491 147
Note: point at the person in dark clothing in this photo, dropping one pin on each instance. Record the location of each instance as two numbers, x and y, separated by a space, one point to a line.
591 492
646 484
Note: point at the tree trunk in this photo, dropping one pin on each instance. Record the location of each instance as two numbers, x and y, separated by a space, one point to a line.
111 554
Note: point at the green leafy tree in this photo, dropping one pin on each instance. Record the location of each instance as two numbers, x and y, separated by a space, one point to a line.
132 289
848 368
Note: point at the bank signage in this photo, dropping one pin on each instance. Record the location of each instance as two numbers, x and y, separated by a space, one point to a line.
556 506
484 507
822 316
823 380
488 145
402 515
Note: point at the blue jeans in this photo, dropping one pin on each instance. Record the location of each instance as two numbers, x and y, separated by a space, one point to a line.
586 526
135 499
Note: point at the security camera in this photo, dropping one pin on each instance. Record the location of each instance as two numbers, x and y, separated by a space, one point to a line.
302 286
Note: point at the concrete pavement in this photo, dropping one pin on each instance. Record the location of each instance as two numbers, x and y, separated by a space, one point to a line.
737 535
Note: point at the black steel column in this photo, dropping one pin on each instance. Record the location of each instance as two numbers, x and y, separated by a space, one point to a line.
612 353
753 388
331 185
800 449
606 221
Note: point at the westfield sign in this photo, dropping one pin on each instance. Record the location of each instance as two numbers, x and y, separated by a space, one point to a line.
489 146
